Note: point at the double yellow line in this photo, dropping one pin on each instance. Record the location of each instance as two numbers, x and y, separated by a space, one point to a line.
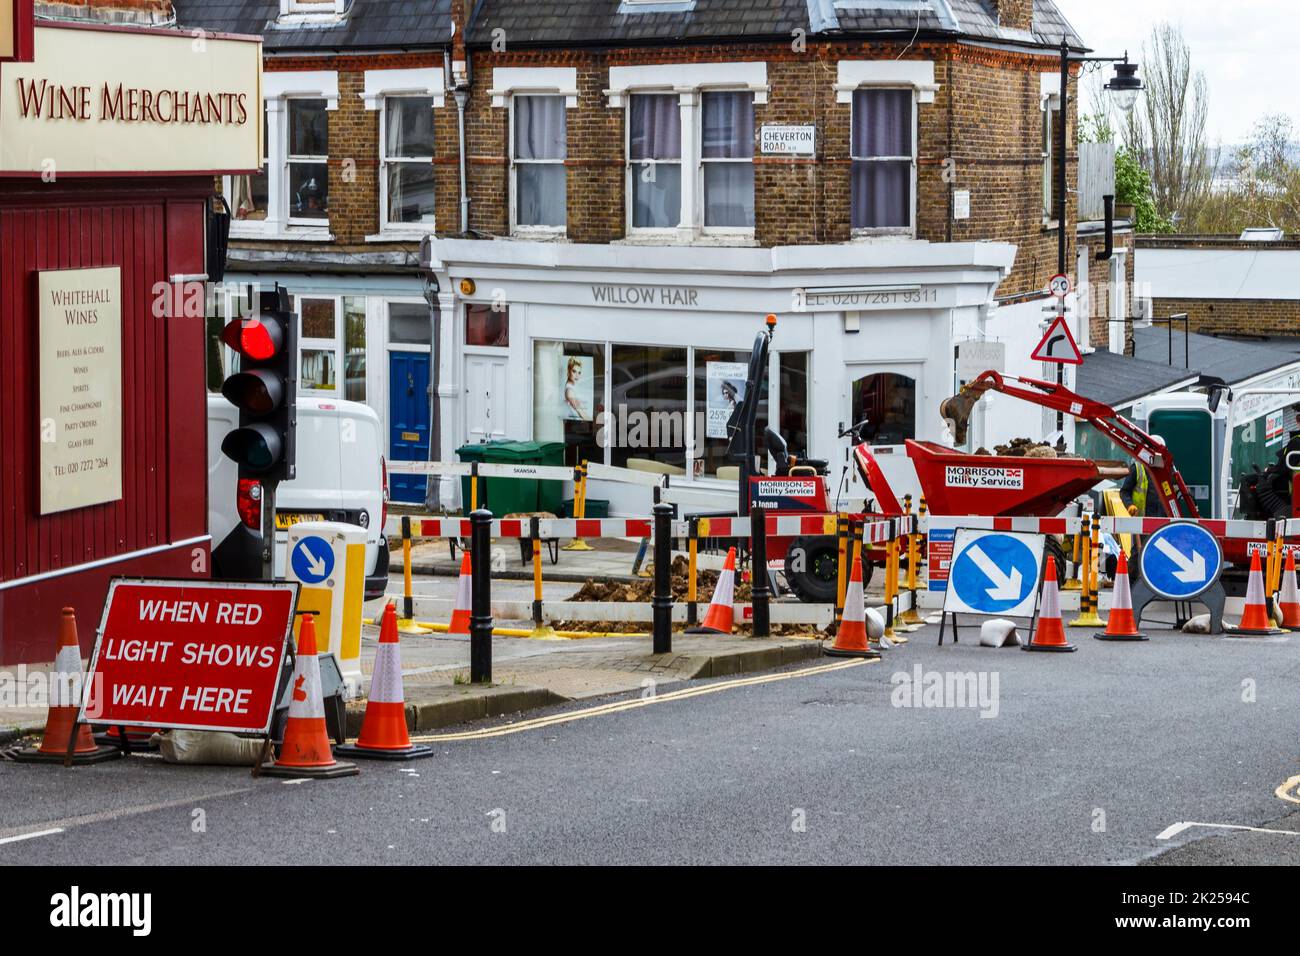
622 705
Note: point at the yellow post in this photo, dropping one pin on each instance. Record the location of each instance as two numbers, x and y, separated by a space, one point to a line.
692 553
912 615
891 585
1088 616
842 544
540 628
579 505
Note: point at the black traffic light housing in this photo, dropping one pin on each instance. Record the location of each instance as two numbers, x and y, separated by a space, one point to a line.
265 390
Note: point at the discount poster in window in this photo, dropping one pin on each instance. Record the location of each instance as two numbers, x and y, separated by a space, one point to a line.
725 385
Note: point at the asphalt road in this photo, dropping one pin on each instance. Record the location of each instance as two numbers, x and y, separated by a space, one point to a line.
1090 757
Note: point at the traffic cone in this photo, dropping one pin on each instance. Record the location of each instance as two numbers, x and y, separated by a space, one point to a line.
305 750
1288 601
383 728
1050 634
66 683
1121 625
460 613
722 613
851 636
1254 617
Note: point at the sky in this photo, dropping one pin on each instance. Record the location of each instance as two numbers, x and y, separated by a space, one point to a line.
1245 48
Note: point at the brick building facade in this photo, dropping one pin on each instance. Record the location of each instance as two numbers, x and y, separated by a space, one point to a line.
914 211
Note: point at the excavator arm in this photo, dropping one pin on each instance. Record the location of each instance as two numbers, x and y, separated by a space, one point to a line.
1171 488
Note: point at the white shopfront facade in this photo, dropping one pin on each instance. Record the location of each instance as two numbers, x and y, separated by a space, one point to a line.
622 351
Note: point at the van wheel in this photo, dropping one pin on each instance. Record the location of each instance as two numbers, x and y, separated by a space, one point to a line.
812 569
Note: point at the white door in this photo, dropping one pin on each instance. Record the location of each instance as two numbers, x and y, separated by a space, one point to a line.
485 398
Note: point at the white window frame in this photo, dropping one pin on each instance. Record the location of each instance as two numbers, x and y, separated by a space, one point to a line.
289 160
739 232
633 168
277 88
317 344
1050 104
309 10
872 232
386 226
548 232
379 86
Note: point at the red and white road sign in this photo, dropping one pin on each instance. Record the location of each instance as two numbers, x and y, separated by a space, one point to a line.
1060 286
1058 345
194 655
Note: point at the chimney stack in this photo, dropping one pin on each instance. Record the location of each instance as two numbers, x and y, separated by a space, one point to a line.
1015 14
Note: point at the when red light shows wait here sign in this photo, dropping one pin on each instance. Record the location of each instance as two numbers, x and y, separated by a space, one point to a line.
199 655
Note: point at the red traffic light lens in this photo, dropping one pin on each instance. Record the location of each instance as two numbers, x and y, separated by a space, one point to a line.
254 338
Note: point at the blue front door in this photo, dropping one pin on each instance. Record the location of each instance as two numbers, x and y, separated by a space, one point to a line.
408 417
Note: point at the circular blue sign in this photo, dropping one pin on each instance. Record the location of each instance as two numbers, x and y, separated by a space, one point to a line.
312 560
994 573
1181 560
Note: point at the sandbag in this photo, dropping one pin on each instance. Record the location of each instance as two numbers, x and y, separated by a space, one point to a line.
208 747
999 632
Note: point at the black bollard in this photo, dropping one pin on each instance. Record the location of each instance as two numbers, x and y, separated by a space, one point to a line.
758 570
480 616
663 599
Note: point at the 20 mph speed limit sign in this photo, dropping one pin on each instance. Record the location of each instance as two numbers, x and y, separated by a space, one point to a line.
1060 286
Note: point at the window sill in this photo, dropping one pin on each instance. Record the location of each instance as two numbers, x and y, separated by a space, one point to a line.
1051 225
869 236
401 235
538 235
672 239
286 234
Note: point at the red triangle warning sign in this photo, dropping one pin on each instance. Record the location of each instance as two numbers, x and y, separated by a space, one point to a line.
1058 345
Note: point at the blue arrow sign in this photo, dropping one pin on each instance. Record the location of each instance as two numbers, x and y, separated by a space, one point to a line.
1181 560
994 574
312 560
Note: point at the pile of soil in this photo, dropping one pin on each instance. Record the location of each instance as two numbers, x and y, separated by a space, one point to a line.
1022 448
643 590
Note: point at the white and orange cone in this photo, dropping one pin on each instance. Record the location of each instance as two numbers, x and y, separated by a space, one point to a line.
851 639
383 728
459 625
1288 600
721 616
1049 635
1120 624
66 684
1254 617
305 750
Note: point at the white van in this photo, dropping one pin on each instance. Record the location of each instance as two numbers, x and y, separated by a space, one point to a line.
342 476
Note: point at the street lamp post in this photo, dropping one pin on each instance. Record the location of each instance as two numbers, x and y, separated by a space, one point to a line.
1123 88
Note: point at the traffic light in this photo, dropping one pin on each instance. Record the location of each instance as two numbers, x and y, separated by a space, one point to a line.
265 390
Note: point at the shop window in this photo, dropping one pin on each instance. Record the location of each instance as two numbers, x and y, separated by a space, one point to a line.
407 160
719 388
887 402
409 323
540 147
793 390
883 160
318 344
354 349
487 326
655 160
646 424
307 160
727 160
569 398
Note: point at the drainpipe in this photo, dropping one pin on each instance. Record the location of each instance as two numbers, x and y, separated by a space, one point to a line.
462 98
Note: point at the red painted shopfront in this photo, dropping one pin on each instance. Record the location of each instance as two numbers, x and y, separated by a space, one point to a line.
119 198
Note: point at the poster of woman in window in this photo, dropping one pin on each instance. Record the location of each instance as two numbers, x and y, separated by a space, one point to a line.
579 395
725 389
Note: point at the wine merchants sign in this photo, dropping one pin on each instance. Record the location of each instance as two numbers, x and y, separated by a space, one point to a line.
195 655
81 387
123 101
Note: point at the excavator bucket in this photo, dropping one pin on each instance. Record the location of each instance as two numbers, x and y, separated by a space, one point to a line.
956 411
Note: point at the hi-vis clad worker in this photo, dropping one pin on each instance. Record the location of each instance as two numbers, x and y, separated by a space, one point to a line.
1137 491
